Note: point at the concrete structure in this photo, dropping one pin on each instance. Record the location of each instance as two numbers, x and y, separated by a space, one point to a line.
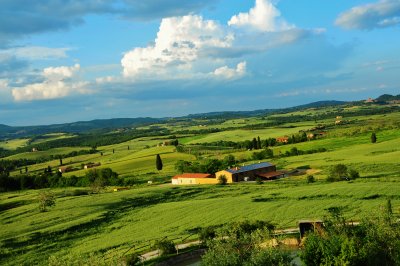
265 171
194 179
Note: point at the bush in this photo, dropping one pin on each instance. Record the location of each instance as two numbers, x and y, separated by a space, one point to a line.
353 174
131 259
240 244
46 199
165 247
222 180
374 242
310 179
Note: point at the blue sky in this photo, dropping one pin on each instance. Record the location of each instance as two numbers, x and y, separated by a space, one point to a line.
64 61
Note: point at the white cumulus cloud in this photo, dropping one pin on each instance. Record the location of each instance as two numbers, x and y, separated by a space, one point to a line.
231 73
179 42
264 16
384 13
58 82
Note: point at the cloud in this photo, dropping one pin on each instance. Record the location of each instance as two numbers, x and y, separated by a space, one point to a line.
264 16
385 13
156 9
10 64
231 73
58 82
21 18
179 42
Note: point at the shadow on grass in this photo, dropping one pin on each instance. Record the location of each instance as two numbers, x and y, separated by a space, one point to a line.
46 243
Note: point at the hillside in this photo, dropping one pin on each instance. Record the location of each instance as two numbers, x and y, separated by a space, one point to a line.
104 224
117 123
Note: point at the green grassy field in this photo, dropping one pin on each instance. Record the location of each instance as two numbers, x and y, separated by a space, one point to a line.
13 144
109 223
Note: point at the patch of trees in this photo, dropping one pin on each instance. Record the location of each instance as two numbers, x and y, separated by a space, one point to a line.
295 152
376 241
95 178
11 165
205 166
91 140
332 114
241 243
340 172
256 143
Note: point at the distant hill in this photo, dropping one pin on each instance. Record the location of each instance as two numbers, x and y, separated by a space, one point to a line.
238 114
387 98
117 123
76 127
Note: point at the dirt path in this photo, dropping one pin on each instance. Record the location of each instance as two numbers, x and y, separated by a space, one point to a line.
155 253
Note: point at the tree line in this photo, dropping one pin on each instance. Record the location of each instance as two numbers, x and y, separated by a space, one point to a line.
95 178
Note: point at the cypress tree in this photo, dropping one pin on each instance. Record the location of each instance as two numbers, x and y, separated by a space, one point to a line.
373 137
258 143
159 164
254 143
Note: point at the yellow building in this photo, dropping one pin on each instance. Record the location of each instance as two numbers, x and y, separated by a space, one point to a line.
194 179
263 170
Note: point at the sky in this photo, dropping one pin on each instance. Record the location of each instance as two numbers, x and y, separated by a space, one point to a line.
65 61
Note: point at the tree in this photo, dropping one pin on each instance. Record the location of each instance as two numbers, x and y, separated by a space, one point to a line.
373 137
159 164
258 142
61 162
337 172
310 179
165 247
254 144
46 199
222 180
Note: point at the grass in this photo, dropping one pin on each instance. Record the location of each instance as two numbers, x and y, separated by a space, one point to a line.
111 222
13 144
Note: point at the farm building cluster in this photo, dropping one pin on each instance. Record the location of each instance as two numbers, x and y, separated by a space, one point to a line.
263 171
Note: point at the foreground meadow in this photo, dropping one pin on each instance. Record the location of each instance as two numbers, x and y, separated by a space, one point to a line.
110 223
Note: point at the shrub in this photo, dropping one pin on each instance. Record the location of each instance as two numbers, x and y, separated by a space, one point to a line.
131 259
222 180
353 174
165 247
46 199
310 179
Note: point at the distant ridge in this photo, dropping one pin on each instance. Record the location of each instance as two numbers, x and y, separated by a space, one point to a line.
387 98
117 123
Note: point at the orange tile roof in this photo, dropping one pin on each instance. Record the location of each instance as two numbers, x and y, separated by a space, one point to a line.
192 175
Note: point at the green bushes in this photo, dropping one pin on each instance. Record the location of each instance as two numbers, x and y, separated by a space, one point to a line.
165 247
97 177
340 172
46 199
241 244
374 242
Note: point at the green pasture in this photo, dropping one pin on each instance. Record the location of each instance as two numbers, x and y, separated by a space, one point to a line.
13 144
110 223
51 136
242 135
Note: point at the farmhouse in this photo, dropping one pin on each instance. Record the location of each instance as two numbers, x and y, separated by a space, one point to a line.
265 171
194 179
282 139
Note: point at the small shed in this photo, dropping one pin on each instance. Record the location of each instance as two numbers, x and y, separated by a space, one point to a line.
306 226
